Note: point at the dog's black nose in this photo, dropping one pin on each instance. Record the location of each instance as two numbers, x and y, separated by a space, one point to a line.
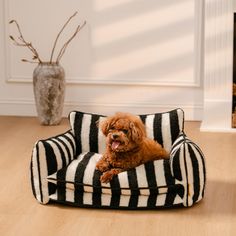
114 136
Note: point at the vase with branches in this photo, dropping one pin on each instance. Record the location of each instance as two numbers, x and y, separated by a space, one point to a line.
48 76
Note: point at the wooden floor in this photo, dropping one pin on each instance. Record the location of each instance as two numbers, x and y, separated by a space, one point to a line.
21 214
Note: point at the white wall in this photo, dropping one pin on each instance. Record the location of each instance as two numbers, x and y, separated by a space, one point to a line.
133 55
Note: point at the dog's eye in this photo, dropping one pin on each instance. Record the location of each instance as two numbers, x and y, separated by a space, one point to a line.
125 131
111 128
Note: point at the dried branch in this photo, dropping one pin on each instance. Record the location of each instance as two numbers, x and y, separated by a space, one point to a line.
62 51
64 26
25 60
20 41
23 43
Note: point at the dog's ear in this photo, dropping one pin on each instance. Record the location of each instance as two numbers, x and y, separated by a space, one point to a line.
104 126
137 131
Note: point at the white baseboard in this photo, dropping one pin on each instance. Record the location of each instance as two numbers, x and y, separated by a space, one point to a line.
27 108
216 130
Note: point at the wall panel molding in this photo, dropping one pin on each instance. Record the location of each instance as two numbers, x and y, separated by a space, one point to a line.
186 82
101 81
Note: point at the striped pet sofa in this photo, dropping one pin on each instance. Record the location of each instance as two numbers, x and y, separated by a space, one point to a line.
63 167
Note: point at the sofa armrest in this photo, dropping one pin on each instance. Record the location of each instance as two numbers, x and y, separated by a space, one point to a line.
49 156
188 167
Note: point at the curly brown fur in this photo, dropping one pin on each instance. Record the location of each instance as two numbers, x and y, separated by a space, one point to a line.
127 145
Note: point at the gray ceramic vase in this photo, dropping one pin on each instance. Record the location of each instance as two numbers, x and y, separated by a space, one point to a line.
49 92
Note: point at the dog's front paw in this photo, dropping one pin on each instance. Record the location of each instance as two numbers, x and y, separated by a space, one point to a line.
106 177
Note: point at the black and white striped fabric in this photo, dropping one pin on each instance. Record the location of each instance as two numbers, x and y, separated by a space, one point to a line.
188 168
135 185
63 168
162 127
48 157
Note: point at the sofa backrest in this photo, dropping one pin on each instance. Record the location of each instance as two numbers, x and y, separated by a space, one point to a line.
162 127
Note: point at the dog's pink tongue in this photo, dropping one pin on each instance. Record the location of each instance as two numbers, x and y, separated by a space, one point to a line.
115 145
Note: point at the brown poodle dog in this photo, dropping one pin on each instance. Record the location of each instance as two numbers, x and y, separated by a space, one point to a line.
127 145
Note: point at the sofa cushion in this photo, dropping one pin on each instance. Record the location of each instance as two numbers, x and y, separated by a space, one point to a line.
162 127
109 201
81 175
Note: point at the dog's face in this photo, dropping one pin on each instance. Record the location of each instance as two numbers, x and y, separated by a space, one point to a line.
124 132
